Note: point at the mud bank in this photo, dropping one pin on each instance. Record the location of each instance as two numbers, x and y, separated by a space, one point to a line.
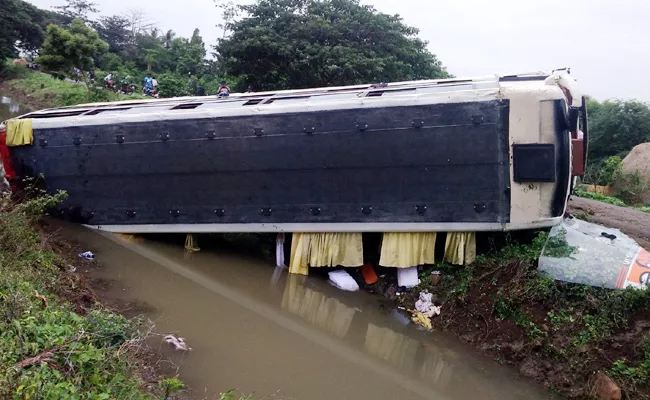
562 335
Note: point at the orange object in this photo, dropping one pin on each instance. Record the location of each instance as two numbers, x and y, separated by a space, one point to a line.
636 271
369 274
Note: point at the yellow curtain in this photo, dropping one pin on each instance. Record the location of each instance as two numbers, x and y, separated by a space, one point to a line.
299 259
190 244
325 250
19 132
405 250
460 248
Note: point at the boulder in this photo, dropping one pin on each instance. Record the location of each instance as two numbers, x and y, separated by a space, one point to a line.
604 388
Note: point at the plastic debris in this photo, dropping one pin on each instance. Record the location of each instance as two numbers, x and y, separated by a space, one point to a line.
343 281
421 319
425 305
407 277
178 343
88 255
369 274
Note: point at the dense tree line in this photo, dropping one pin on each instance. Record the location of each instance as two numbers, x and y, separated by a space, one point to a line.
283 44
615 127
269 44
23 27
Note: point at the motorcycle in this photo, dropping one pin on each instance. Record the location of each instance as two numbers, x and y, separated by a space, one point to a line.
150 92
127 88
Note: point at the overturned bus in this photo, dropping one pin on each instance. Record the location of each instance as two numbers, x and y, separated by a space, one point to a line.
453 155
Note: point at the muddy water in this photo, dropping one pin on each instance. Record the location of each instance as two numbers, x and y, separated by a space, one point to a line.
262 331
10 109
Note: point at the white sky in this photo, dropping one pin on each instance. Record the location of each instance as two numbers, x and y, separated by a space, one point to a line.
604 42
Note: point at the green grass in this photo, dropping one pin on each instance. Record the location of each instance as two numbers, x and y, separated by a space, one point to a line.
600 197
56 92
637 373
47 350
644 209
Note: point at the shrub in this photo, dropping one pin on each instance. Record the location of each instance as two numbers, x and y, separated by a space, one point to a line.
110 62
632 188
604 172
600 197
170 85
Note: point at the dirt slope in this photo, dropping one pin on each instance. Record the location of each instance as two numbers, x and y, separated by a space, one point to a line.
634 223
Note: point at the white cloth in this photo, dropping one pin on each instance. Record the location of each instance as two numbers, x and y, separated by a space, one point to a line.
343 281
425 305
407 277
279 250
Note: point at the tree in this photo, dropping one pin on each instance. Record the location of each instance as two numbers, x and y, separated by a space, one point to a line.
616 126
149 51
282 44
229 11
77 46
23 27
192 60
110 62
78 9
114 30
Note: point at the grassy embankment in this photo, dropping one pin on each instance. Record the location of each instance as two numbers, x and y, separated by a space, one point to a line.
56 340
37 90
558 333
608 199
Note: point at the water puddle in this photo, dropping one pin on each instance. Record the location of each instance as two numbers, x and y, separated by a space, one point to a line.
257 329
10 109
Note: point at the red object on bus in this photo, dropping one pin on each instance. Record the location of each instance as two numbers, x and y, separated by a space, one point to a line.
578 156
5 158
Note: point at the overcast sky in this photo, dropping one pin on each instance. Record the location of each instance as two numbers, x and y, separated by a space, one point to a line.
604 42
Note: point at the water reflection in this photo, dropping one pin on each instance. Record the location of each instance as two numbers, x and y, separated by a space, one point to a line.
263 330
325 312
382 342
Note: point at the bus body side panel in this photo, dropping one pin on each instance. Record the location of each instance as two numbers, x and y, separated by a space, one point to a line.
431 163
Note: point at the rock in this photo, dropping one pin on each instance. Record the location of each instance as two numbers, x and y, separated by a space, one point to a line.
604 388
